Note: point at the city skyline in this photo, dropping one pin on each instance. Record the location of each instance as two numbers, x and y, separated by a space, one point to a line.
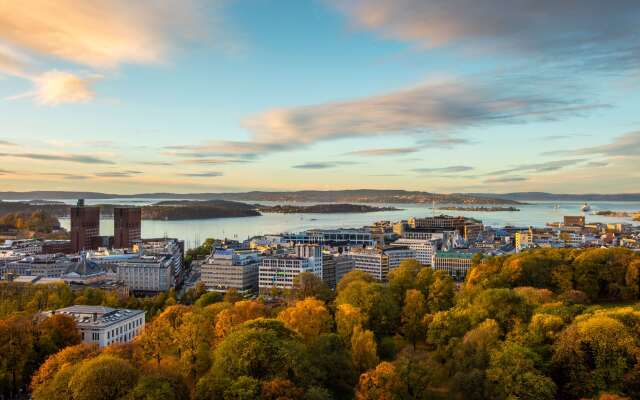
203 96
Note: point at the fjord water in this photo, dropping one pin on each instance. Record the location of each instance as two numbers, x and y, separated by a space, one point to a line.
194 232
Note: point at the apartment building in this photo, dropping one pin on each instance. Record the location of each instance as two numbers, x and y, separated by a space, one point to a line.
231 269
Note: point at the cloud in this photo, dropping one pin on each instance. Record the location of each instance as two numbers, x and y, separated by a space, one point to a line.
4 172
444 142
224 149
595 33
444 170
431 110
117 174
77 158
6 143
392 151
203 174
100 35
596 164
57 87
626 145
214 161
506 179
540 167
156 163
97 34
323 165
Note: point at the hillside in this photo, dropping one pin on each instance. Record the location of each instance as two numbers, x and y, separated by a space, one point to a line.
318 196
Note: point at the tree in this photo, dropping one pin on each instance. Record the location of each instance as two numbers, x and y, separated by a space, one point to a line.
156 339
57 332
412 315
280 389
381 383
403 278
209 298
308 284
352 276
104 377
192 340
593 354
243 388
232 296
347 318
331 359
363 349
308 317
441 292
241 311
513 375
160 384
16 348
262 349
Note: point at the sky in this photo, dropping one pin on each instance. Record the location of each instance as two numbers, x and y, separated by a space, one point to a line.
233 95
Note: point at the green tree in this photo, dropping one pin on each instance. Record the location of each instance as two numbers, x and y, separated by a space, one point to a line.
441 292
363 349
103 377
413 314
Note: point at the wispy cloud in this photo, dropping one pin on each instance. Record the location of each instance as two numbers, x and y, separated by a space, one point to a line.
6 143
506 179
593 35
117 174
444 170
432 111
323 165
77 158
540 167
626 145
209 174
596 164
391 151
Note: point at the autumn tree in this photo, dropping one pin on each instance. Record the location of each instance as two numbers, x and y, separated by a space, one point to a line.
363 349
412 316
242 311
308 317
383 382
308 284
104 377
347 318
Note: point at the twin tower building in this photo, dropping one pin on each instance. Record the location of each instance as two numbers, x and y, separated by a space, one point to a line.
85 227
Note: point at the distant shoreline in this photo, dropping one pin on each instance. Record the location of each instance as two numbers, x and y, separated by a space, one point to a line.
480 209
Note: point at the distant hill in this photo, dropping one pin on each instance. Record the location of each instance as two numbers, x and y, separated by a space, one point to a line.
544 196
317 196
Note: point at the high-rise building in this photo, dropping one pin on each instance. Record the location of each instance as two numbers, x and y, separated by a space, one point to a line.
424 248
127 222
378 262
280 271
457 262
231 269
85 225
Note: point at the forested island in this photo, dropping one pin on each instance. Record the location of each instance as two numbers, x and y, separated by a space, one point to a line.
323 209
620 214
544 324
480 209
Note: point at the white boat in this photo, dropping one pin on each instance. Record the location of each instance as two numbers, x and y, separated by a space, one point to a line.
585 207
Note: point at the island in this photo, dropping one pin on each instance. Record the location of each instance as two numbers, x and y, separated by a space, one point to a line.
482 209
619 214
323 209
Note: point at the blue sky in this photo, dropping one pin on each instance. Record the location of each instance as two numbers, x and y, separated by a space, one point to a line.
320 94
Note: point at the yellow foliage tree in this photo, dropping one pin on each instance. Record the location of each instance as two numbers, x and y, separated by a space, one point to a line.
308 317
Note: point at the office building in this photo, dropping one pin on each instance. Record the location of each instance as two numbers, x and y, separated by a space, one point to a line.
279 271
85 226
148 274
377 261
104 325
360 237
26 247
424 249
344 265
574 220
231 269
47 266
127 223
456 262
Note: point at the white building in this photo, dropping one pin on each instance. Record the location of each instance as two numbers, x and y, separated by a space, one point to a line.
378 262
103 325
46 265
279 271
231 269
337 236
424 248
146 273
23 246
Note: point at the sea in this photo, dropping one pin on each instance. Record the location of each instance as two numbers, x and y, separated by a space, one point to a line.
194 232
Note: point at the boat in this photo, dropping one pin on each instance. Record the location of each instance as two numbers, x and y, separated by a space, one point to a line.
585 207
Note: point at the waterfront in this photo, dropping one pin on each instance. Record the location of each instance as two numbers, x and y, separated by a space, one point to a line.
195 231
